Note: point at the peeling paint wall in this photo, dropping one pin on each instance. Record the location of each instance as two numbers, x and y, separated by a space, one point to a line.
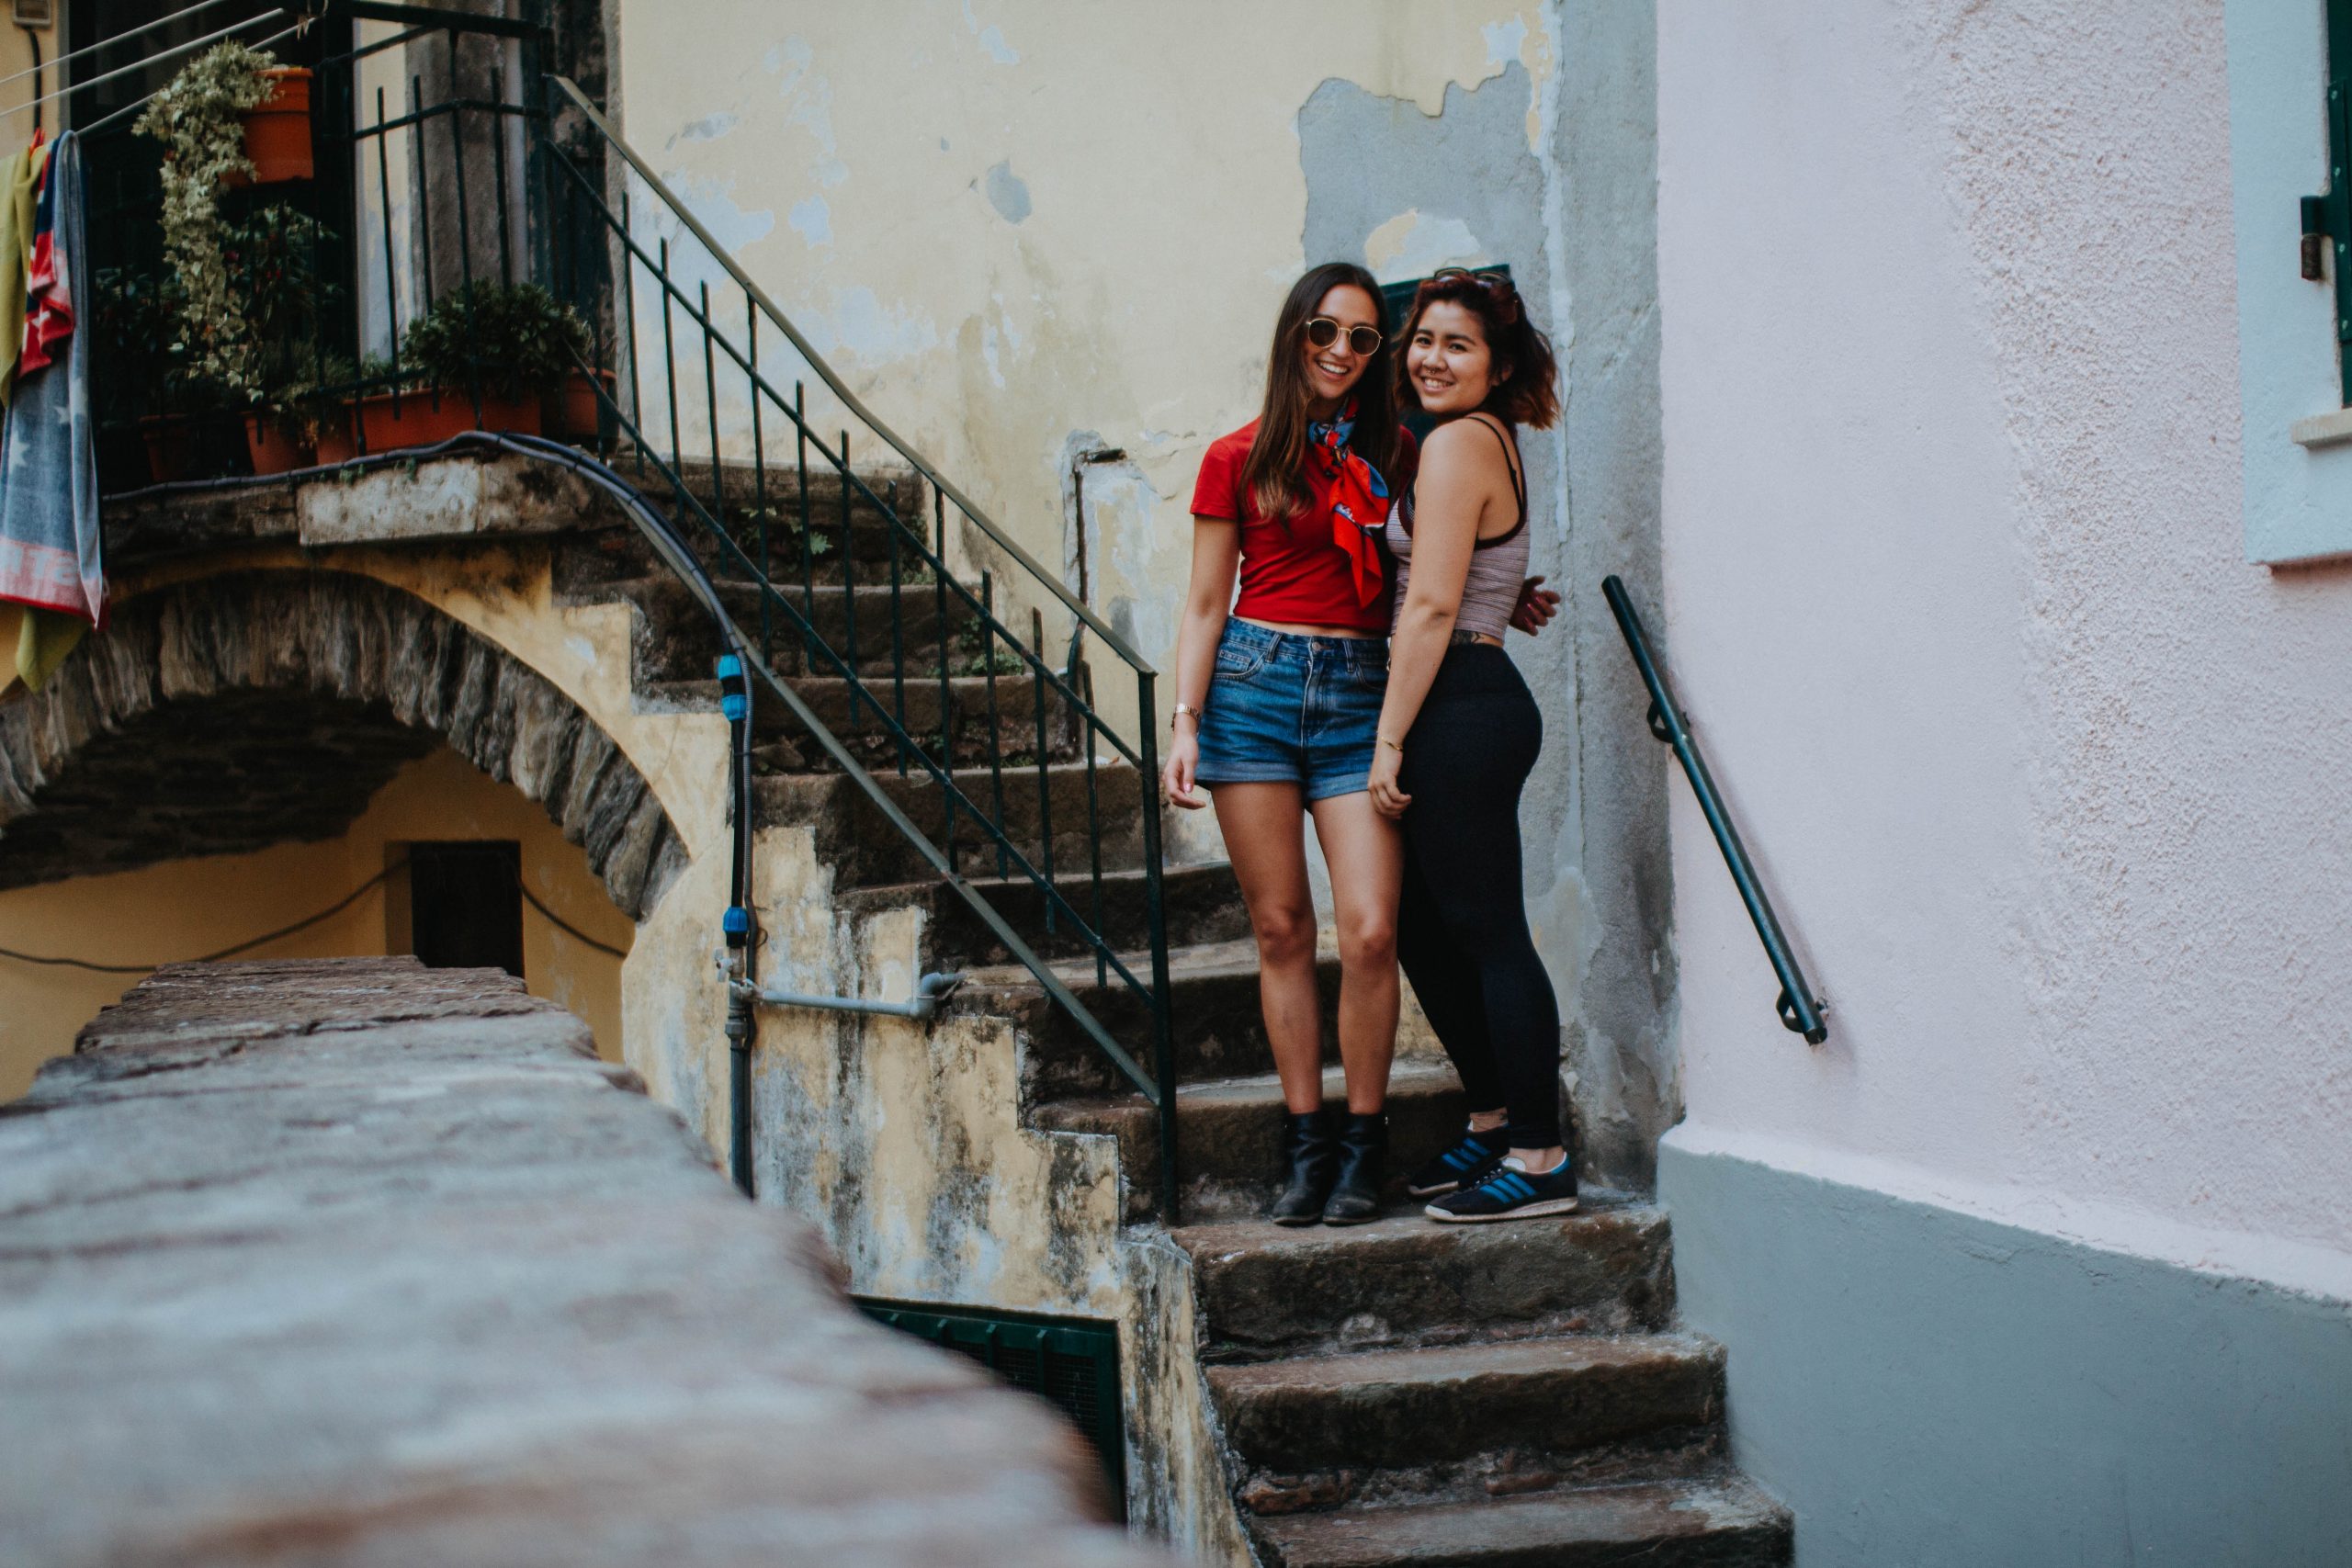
1022 230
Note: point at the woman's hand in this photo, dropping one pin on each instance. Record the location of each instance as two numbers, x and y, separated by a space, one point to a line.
1537 605
1176 778
1387 798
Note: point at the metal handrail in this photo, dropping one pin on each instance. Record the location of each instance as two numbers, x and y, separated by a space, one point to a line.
840 389
651 378
1801 1011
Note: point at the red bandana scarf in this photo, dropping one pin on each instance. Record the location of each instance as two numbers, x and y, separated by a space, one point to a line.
1360 502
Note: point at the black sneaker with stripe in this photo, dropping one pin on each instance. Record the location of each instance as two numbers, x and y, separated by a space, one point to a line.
1467 1163
1511 1192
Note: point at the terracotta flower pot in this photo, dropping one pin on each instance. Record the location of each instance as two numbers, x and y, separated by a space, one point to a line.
338 440
277 131
171 441
274 450
422 419
575 413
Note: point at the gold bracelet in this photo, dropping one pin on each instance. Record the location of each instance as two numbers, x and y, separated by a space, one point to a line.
1181 709
1396 746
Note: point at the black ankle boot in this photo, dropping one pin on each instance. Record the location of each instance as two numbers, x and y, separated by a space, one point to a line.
1363 1149
1310 1160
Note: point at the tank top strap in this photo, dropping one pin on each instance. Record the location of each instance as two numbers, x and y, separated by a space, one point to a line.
1493 427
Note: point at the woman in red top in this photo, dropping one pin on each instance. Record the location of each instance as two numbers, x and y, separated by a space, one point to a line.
1278 700
1277 703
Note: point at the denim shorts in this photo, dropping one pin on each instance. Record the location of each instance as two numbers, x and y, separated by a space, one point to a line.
1289 709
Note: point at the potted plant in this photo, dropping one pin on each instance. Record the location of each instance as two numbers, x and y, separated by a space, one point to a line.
272 261
574 412
137 323
198 118
277 129
510 345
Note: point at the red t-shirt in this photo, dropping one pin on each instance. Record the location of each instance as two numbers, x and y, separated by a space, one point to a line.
1291 570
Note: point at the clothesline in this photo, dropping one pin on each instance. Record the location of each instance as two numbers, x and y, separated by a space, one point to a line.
145 60
120 38
107 120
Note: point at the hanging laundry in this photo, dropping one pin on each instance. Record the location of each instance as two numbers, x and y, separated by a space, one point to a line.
51 553
20 178
49 301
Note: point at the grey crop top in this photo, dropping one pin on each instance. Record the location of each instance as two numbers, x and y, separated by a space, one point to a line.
1497 566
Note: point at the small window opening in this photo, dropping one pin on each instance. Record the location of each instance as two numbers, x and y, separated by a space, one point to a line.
463 905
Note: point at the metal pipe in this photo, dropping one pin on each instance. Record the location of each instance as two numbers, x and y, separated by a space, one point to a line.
1801 1011
930 991
739 1086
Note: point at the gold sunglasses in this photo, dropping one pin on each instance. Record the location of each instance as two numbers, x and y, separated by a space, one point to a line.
1323 332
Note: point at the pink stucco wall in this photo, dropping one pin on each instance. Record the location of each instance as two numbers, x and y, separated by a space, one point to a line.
2053 789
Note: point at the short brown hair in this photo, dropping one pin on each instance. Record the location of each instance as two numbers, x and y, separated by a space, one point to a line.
1524 392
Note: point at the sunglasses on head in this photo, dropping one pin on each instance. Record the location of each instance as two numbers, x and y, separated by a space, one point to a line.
1323 332
1495 285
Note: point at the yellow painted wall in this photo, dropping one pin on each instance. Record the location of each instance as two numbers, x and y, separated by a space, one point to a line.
17 54
860 162
184 909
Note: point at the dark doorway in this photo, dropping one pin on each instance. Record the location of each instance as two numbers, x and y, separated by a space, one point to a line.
466 904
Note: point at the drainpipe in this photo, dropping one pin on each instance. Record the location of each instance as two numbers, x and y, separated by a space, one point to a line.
735 701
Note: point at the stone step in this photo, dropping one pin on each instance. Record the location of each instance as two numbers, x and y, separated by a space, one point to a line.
855 835
1527 1409
1217 1027
1720 1522
1265 1290
864 722
1200 904
675 639
745 487
1228 1135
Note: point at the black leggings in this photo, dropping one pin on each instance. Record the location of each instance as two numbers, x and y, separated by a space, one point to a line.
1462 929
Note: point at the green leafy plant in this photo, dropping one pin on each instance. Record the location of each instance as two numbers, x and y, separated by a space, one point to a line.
272 261
519 339
198 118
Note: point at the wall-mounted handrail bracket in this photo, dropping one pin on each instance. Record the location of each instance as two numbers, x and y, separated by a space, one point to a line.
1801 1011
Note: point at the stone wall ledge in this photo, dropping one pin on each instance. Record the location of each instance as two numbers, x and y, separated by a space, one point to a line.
355 1262
462 496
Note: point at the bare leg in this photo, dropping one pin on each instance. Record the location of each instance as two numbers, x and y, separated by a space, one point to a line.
1365 853
1265 836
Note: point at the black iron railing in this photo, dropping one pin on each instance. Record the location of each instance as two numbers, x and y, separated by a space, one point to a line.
653 404
1800 1009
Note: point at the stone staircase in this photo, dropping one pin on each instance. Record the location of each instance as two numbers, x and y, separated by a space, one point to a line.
1400 1393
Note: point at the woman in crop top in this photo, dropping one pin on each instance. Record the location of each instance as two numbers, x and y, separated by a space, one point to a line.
1458 734
1276 702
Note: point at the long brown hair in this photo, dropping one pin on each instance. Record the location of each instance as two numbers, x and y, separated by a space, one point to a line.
1275 476
1525 373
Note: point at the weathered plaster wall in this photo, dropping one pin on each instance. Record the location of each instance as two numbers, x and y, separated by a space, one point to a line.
1026 232
906 1143
1007 224
2049 783
176 910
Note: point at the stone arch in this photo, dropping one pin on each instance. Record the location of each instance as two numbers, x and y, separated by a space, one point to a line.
373 674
